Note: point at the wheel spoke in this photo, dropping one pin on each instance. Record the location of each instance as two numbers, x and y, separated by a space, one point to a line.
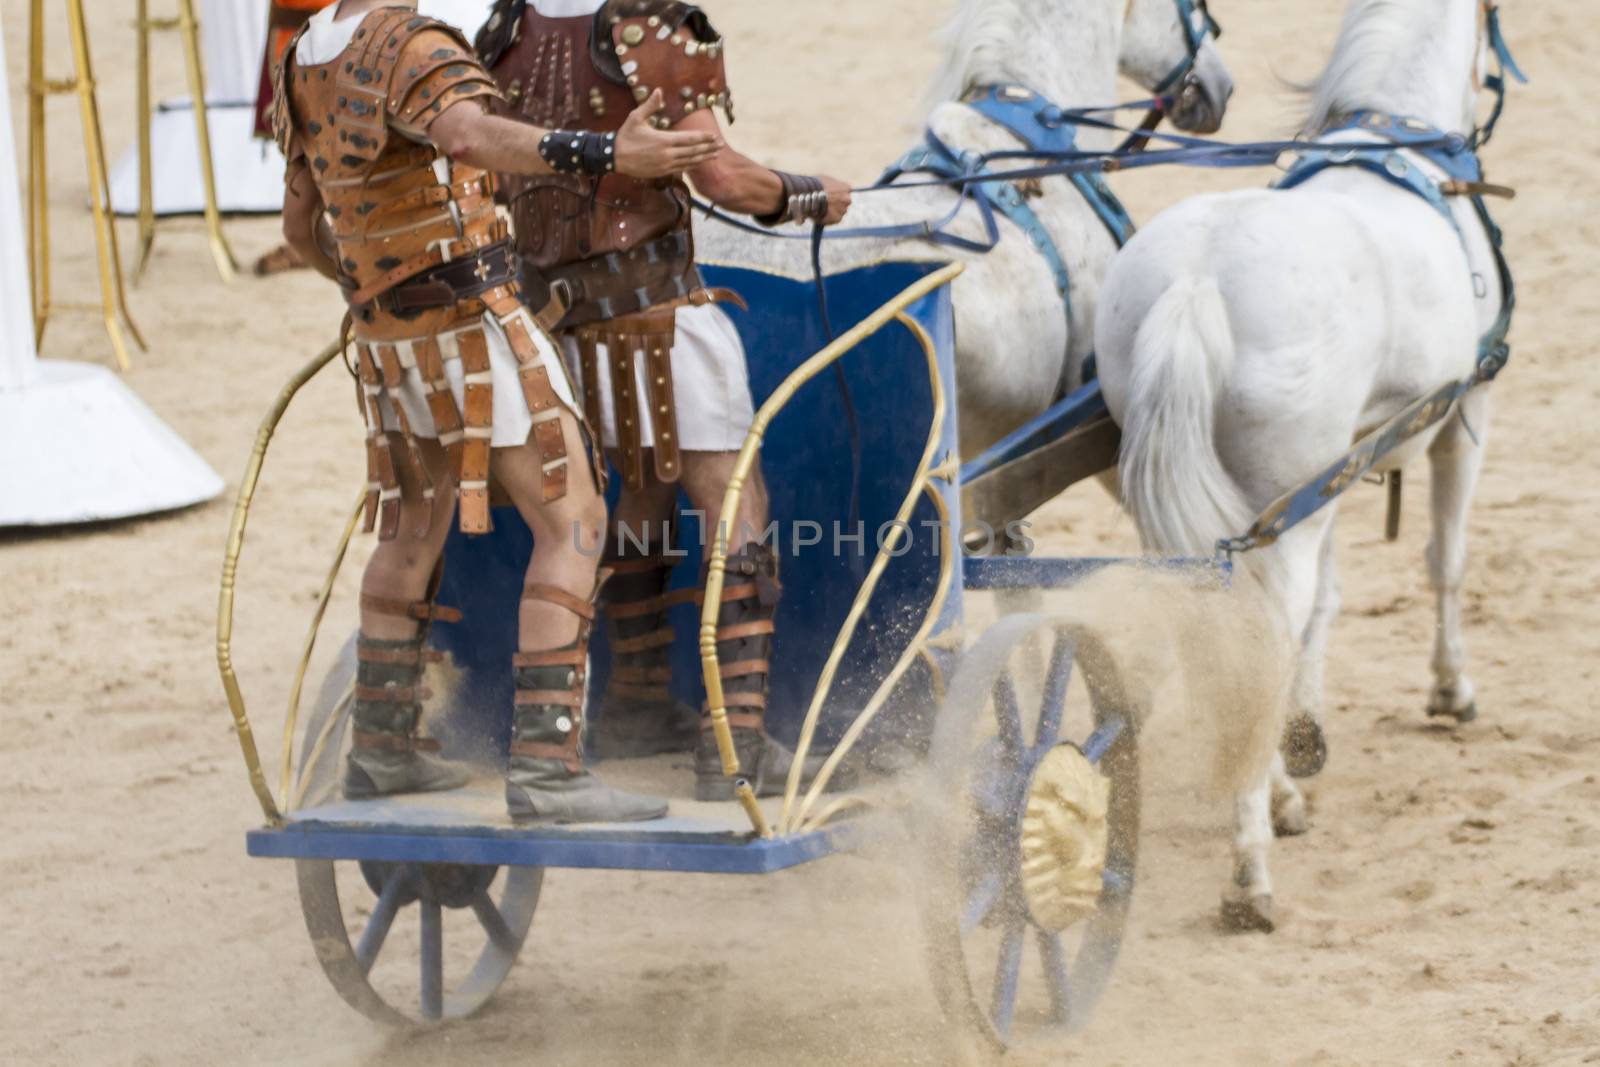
493 923
1055 695
1008 717
377 929
1054 957
1100 742
432 959
981 902
1006 973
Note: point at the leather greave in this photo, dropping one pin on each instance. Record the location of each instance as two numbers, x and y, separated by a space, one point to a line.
745 627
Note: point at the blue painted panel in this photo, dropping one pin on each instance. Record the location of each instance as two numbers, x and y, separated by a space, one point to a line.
807 463
720 854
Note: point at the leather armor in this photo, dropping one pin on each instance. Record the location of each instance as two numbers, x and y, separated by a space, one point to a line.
423 252
618 244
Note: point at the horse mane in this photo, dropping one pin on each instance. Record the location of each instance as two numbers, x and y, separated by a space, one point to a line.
1376 39
976 45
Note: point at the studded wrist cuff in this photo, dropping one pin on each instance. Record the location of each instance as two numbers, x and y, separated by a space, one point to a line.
804 200
579 152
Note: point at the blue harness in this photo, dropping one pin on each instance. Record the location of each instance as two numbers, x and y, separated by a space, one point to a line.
1454 156
1042 127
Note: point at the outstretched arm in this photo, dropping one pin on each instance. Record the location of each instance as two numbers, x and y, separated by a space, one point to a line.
468 133
735 181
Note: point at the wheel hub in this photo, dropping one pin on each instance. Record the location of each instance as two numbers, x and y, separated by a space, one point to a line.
1064 839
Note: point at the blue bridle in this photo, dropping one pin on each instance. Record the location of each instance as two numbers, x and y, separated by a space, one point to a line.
1041 126
1198 28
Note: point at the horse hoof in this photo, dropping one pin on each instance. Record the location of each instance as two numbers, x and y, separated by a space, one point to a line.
1249 916
1305 749
1460 715
1290 820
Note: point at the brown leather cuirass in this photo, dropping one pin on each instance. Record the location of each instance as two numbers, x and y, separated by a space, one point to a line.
423 253
621 244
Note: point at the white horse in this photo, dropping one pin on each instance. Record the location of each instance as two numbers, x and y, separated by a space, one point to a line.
1016 353
1246 339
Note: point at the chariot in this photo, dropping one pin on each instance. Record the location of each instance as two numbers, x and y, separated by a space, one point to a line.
1023 805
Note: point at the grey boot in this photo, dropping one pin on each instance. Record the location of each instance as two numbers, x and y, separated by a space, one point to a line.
387 757
750 595
546 781
638 715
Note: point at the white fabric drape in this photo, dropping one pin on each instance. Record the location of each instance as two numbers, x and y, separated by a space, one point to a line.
17 356
233 37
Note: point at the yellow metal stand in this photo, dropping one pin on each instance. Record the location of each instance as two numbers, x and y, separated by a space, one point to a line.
188 27
113 297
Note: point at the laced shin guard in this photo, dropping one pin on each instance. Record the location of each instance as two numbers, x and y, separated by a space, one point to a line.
744 652
386 755
638 715
546 780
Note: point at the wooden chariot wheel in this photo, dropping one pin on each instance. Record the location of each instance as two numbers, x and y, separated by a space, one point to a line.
471 920
1029 839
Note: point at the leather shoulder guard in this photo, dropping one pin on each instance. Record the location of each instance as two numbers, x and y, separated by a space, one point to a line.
667 45
499 33
282 108
435 68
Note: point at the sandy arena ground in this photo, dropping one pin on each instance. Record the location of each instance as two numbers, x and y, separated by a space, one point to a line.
1444 909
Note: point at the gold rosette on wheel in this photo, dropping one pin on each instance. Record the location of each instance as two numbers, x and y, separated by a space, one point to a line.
1064 839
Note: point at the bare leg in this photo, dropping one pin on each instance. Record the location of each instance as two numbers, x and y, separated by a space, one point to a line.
1456 460
402 568
384 758
705 480
566 534
546 779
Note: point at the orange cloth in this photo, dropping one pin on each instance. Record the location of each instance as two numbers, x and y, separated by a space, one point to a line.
283 19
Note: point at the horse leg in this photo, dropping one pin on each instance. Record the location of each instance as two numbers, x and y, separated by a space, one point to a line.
1289 816
1293 575
1247 903
1305 746
1455 459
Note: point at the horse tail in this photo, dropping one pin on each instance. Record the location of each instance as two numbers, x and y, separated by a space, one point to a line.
1173 480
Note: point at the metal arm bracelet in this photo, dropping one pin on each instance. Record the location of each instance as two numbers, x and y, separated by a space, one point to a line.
804 200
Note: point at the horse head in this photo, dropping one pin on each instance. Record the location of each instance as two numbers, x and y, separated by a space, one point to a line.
1169 47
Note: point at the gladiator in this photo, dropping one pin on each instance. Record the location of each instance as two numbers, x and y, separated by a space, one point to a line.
385 117
660 366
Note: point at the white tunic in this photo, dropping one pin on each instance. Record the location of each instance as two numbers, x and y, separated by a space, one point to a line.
326 37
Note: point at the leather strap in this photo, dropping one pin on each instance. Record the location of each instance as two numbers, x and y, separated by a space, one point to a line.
565 698
392 694
420 610
555 657
393 742
654 639
403 657
551 594
739 720
756 628
744 668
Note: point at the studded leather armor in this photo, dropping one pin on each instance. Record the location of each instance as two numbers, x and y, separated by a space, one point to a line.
619 244
424 254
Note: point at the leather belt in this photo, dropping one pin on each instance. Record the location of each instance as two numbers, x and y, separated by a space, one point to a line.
620 283
450 283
